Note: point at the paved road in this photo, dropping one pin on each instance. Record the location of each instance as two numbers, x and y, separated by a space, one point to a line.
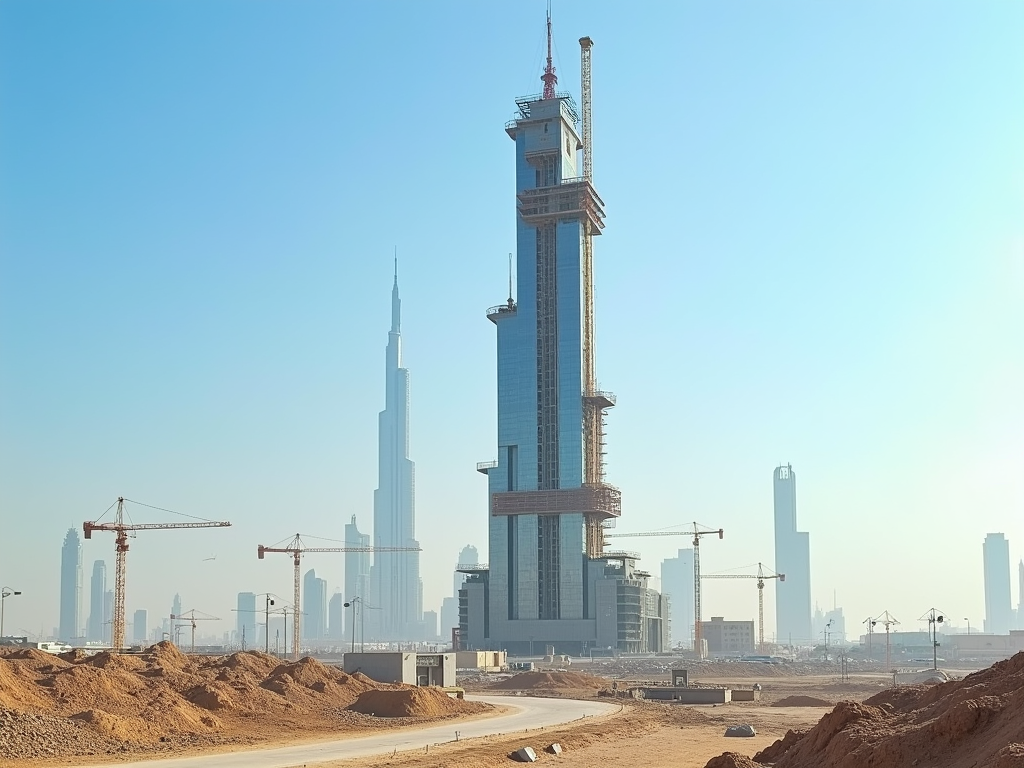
529 712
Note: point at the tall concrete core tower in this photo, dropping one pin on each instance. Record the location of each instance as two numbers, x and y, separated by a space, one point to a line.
395 585
793 558
547 497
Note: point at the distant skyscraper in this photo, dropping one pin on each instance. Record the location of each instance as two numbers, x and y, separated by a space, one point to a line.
450 605
140 627
97 591
430 625
998 608
1020 595
176 606
357 566
792 558
314 606
245 620
395 586
677 583
70 587
335 617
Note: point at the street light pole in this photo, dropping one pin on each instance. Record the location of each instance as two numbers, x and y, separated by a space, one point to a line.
968 625
352 604
934 618
266 647
5 592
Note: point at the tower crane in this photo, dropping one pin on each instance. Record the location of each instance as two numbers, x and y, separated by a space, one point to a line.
121 529
296 548
760 576
698 531
190 618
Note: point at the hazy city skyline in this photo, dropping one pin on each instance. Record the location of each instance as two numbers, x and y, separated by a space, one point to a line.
822 264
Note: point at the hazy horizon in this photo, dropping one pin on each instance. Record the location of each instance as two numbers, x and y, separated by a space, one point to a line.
814 255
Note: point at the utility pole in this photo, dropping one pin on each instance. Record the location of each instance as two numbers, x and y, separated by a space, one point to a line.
871 626
352 604
934 617
888 620
5 592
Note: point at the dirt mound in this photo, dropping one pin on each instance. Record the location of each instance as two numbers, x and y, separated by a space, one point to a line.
731 760
977 721
25 735
17 686
31 654
108 725
802 701
569 681
161 698
412 702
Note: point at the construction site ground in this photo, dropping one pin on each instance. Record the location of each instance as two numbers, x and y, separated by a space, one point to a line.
647 733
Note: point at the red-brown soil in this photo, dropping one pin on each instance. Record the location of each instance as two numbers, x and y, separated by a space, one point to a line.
977 722
413 702
802 701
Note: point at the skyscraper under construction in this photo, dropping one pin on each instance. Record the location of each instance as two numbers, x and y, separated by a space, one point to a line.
549 580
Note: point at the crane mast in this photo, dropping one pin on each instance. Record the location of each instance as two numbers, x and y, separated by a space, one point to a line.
697 532
594 402
760 576
296 548
121 531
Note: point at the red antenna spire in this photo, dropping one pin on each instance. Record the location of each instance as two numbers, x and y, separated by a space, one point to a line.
549 77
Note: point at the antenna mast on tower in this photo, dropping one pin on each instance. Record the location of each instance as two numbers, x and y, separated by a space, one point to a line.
549 77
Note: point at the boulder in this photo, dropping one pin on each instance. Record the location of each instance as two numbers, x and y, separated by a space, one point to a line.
745 731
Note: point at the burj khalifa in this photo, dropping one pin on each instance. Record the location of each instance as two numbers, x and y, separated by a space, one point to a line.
395 609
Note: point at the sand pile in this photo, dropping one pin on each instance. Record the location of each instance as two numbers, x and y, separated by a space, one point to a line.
413 702
977 722
802 701
731 760
162 694
551 681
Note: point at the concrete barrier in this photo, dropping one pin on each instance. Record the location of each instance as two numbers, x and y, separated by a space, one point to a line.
687 695
745 695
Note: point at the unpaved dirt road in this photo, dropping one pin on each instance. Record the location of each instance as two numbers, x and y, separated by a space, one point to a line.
526 712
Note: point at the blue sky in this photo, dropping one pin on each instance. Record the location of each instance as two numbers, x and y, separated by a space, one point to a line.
814 254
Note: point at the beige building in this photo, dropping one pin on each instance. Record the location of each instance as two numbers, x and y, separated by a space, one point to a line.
483 661
728 638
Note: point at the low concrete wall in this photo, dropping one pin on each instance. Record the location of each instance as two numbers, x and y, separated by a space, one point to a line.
688 695
743 695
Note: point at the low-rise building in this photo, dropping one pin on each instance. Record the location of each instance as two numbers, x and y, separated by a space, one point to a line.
728 638
404 667
484 661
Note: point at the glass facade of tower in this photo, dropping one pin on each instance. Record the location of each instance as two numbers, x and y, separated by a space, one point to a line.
537 560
